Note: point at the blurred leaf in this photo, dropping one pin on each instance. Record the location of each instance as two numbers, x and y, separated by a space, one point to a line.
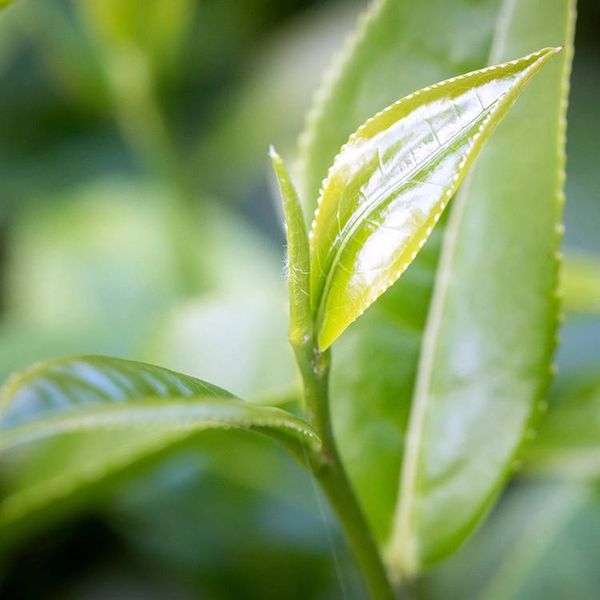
88 255
157 27
152 405
491 332
399 46
236 341
581 283
539 544
273 95
568 440
185 519
388 186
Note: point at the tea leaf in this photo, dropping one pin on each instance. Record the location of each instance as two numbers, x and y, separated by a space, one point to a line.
390 183
297 251
486 357
398 46
146 408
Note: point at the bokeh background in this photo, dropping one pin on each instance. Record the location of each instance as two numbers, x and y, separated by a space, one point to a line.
137 219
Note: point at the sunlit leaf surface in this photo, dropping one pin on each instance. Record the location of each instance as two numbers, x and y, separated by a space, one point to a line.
486 358
399 46
390 183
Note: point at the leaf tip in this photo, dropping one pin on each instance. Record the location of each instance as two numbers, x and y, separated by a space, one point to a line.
274 155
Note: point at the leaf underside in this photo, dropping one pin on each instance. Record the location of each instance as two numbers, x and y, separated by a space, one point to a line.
390 183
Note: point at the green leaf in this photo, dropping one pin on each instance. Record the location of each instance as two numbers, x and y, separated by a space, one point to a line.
538 542
568 440
581 283
399 46
298 254
145 407
486 358
391 181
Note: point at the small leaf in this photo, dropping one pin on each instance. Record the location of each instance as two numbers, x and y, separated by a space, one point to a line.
146 407
298 253
390 183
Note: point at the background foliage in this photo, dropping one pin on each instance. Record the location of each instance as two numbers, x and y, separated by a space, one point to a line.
134 174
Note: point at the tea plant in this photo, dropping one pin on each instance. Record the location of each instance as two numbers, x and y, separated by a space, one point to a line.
485 358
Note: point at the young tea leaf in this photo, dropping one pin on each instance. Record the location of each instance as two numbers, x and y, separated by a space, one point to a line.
390 183
398 46
298 253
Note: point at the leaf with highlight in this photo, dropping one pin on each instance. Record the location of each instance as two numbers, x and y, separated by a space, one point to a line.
397 46
143 406
298 253
390 183
486 356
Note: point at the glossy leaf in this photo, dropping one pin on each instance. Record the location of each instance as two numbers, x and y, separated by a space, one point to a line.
298 253
486 358
398 46
389 184
145 407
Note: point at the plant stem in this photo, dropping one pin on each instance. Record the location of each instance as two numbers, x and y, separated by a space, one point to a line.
329 471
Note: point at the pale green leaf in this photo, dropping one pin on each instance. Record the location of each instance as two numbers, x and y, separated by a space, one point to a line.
391 181
298 253
145 407
398 46
487 352
581 283
568 440
539 543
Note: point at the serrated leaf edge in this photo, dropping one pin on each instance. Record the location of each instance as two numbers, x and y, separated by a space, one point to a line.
412 565
451 189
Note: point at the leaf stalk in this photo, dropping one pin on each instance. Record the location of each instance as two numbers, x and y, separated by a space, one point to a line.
328 469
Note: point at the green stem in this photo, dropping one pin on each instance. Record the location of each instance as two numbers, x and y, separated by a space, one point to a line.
329 471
